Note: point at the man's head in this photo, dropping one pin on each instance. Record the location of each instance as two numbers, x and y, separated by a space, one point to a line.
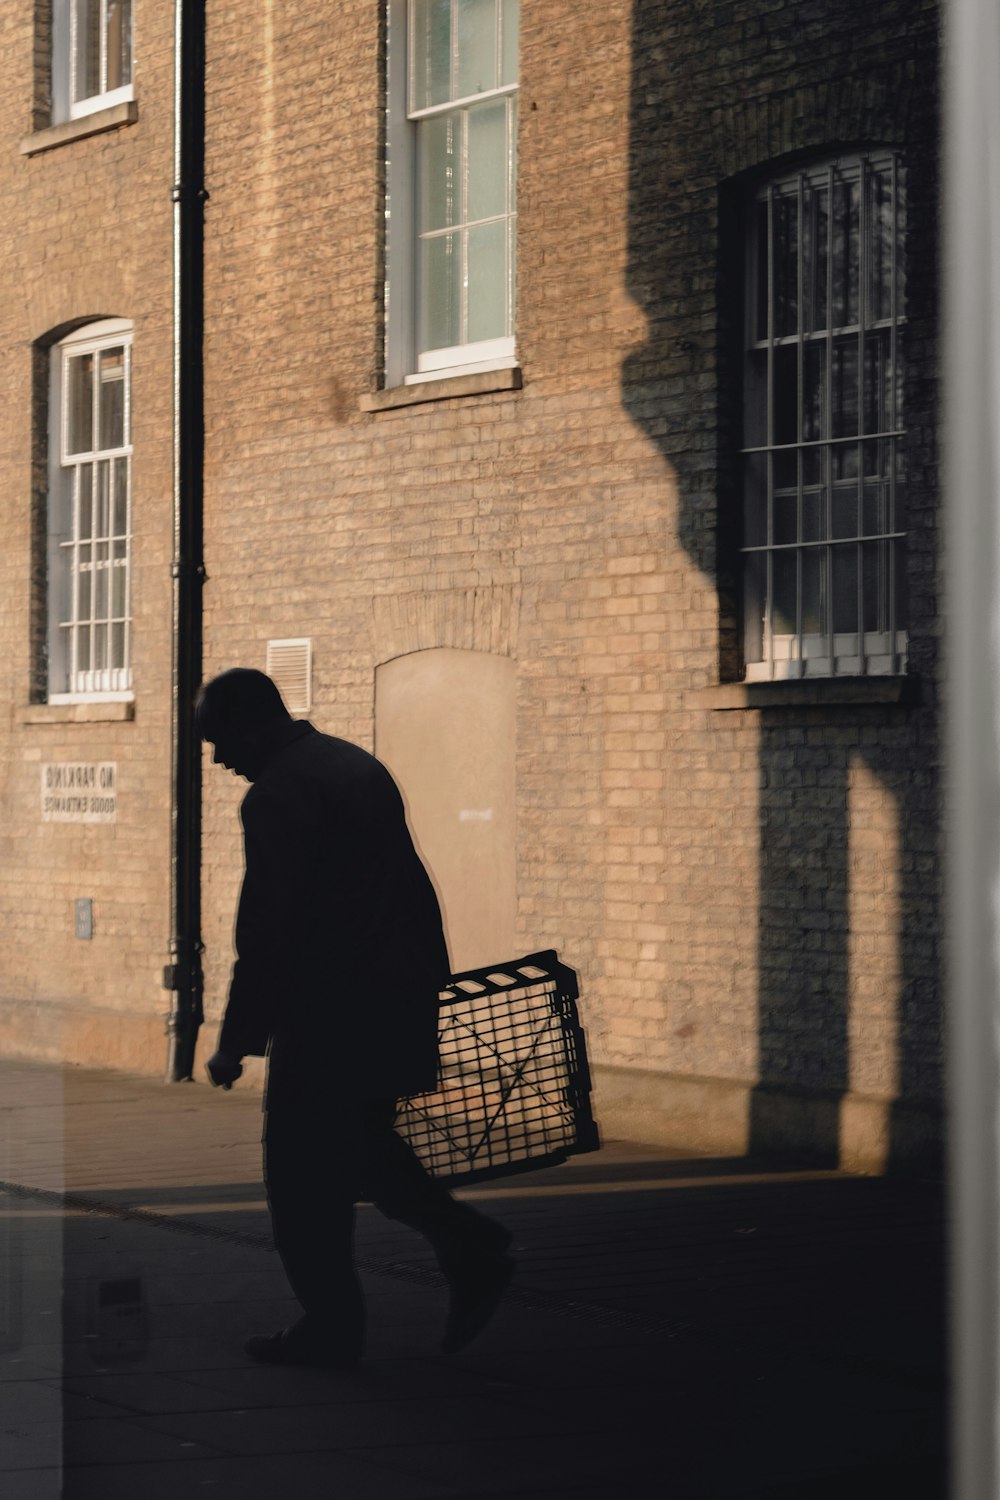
241 714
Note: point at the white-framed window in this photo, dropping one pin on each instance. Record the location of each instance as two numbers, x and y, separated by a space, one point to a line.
823 474
452 168
90 515
91 56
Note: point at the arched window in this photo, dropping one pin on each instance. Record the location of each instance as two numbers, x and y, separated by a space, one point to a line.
823 478
90 514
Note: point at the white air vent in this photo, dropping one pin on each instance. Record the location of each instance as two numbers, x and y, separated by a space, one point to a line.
289 664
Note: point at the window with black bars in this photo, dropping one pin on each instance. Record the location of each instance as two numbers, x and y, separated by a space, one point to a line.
823 475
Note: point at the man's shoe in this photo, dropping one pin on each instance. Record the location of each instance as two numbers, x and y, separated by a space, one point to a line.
476 1289
297 1346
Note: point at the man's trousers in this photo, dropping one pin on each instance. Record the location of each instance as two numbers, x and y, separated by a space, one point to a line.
319 1161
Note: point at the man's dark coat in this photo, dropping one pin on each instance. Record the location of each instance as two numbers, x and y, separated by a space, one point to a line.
340 949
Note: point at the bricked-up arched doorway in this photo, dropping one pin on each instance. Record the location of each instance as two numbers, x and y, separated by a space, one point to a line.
445 727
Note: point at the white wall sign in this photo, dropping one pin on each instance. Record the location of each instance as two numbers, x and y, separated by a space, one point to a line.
80 792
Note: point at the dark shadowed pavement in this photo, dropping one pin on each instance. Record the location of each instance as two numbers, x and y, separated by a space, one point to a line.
678 1327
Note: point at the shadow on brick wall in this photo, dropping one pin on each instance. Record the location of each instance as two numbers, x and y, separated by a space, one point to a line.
716 91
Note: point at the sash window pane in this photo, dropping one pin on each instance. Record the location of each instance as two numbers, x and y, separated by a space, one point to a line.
88 48
845 589
120 521
846 252
812 591
118 645
112 409
119 581
754 607
119 51
487 315
844 511
755 500
101 581
440 292
438 171
100 46
510 20
816 232
845 387
83 605
786 265
430 55
488 161
103 507
784 607
785 394
477 47
875 585
85 483
80 404
814 391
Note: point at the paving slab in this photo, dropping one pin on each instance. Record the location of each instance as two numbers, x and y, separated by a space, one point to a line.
693 1328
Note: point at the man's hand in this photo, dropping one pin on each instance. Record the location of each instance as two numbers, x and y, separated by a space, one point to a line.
223 1069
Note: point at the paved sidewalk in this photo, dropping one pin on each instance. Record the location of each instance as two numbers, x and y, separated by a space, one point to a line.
691 1329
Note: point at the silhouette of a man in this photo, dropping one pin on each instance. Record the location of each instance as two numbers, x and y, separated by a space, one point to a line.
340 960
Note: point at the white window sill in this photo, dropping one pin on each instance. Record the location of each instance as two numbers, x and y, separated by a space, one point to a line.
95 102
87 711
464 359
111 118
812 692
479 383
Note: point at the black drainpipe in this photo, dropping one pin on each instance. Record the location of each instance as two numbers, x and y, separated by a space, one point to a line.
183 975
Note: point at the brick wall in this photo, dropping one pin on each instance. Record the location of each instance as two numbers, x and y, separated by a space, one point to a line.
750 896
714 875
86 234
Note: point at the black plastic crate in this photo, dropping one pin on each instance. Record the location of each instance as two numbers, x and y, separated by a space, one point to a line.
514 1087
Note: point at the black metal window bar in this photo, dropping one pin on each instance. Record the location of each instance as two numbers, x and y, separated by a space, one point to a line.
514 1085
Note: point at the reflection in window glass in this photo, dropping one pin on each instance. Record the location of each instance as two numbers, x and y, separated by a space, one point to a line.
100 47
119 45
476 36
510 19
440 292
487 288
430 53
80 404
84 475
487 161
112 408
438 171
